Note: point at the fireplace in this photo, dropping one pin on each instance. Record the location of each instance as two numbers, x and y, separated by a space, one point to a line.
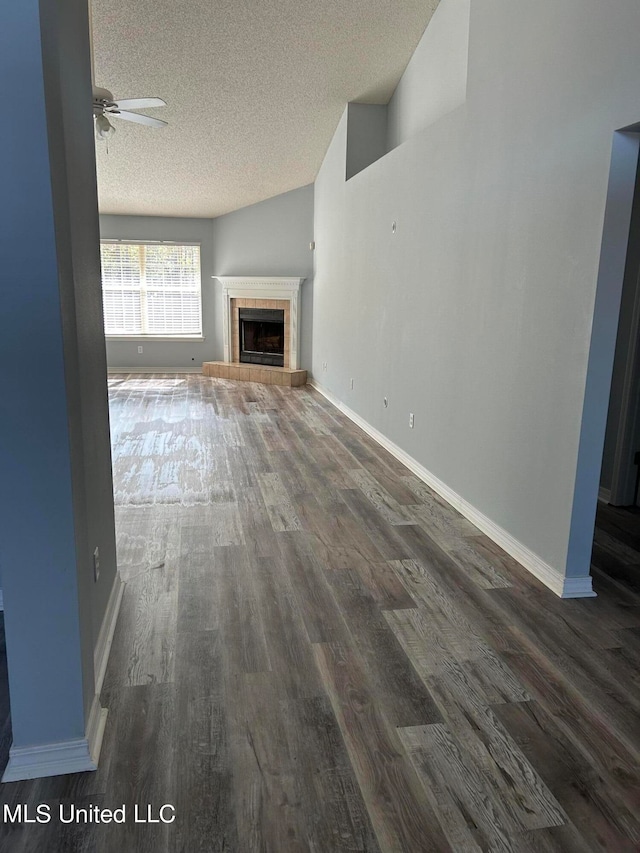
260 352
261 336
262 293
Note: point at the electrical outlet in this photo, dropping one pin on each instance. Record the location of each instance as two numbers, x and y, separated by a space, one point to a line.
139 350
96 565
352 384
385 402
410 420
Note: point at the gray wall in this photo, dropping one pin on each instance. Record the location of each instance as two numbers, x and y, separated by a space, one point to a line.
366 136
477 314
270 238
435 81
172 355
55 489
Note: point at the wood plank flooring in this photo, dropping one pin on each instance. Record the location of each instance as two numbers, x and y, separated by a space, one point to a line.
316 653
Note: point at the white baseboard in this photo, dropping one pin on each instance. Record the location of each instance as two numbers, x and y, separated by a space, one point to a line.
56 759
105 637
146 370
52 759
80 754
604 495
578 588
555 580
95 730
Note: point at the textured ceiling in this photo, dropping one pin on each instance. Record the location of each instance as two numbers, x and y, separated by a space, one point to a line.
254 91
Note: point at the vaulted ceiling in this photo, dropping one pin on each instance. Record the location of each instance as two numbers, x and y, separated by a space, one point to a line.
254 91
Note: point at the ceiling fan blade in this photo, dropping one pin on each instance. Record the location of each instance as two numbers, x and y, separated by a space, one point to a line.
139 103
139 119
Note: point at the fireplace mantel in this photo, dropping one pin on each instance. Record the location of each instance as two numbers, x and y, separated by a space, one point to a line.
262 287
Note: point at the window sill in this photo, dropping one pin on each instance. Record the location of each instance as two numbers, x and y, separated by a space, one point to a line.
195 338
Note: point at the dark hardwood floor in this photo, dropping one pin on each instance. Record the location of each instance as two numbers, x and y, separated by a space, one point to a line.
316 653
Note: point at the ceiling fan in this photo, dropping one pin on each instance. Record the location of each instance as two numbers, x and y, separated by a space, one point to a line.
105 107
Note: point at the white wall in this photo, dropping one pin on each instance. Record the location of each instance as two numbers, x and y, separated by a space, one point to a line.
477 314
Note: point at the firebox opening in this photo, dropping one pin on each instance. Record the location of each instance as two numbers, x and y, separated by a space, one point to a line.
262 336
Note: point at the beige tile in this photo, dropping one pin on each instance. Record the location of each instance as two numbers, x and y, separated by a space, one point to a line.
223 371
250 303
255 374
234 372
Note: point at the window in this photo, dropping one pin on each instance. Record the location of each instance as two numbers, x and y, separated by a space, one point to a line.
151 289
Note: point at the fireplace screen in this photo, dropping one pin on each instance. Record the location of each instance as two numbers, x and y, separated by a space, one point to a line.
262 336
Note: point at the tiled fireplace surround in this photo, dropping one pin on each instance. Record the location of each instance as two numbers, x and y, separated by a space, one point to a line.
260 292
280 304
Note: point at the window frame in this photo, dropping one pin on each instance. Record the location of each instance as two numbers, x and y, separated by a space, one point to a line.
147 336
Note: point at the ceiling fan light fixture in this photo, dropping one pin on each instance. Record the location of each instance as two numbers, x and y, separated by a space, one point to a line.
104 128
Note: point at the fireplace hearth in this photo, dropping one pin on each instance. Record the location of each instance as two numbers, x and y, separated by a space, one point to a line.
261 336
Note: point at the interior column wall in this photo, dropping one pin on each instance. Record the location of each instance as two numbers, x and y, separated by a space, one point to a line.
55 489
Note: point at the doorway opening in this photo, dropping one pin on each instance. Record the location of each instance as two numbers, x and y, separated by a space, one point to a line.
605 539
619 474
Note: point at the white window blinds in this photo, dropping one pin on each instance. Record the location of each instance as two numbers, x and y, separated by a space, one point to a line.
151 289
